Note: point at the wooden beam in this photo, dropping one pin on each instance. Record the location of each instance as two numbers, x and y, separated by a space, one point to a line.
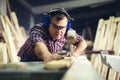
3 53
81 69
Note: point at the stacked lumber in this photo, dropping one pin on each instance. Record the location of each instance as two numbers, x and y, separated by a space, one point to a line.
107 38
12 35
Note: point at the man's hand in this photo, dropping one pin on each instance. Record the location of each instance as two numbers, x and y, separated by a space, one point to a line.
47 59
71 38
56 56
51 57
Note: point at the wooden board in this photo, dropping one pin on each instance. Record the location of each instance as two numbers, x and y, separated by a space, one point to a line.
17 40
97 45
112 74
3 53
81 69
16 24
108 44
97 38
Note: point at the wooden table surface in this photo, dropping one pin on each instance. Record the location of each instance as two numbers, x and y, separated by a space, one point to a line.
82 69
30 71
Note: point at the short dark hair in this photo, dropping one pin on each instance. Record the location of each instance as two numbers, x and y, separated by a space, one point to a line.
58 16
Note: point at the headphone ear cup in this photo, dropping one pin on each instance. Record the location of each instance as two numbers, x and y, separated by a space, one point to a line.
46 21
68 25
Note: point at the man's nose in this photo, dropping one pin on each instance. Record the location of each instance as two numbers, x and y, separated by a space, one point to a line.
58 30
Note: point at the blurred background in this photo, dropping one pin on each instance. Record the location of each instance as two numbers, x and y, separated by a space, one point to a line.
86 13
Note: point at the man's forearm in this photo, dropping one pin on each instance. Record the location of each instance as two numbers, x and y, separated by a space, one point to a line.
80 48
41 50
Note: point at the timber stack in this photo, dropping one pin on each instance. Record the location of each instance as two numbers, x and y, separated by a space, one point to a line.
107 38
13 37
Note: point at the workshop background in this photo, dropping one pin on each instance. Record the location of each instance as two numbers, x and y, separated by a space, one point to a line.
86 13
98 21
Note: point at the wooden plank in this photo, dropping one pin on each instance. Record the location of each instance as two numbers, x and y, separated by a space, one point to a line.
16 24
108 44
3 53
117 77
100 41
81 69
99 34
116 48
111 34
103 69
114 22
17 40
97 40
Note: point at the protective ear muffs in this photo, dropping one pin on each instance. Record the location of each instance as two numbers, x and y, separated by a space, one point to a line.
68 25
46 18
46 21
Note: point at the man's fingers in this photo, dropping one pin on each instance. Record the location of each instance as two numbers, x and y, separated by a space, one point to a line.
68 54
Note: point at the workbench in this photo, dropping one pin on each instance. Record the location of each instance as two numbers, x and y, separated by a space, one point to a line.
81 69
32 71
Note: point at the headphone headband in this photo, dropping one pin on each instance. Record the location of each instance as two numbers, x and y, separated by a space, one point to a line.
59 10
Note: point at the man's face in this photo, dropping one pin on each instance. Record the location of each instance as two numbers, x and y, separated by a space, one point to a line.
57 29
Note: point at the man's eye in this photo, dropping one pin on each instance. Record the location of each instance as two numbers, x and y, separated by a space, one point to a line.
56 27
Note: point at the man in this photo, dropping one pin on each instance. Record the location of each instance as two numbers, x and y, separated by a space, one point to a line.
49 37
